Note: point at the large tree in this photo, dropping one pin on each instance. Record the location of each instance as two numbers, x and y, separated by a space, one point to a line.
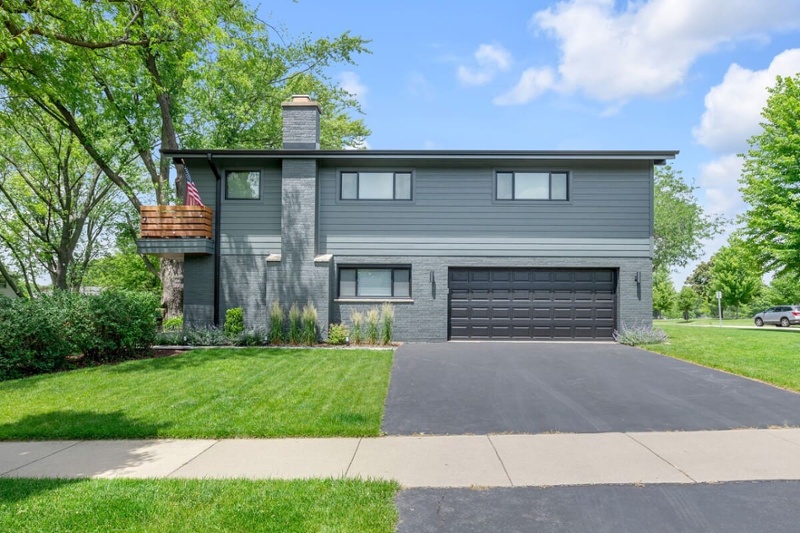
770 181
55 204
681 224
143 76
736 274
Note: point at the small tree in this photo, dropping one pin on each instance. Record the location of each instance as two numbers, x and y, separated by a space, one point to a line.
687 301
663 292
736 274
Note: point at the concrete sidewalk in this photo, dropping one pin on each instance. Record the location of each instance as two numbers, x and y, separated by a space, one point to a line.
431 461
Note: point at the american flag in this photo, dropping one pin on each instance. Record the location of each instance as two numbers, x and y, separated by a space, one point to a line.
192 196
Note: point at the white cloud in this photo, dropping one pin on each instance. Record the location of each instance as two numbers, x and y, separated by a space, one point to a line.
351 82
490 59
719 180
419 86
733 108
647 48
532 84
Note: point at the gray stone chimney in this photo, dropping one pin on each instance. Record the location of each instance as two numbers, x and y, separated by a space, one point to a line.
301 123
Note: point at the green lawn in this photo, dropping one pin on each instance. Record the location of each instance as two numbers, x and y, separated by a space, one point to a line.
769 354
708 322
28 505
205 393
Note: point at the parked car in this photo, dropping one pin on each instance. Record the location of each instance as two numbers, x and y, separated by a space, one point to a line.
780 315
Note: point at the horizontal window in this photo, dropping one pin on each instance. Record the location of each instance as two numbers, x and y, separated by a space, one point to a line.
375 186
243 185
531 186
373 282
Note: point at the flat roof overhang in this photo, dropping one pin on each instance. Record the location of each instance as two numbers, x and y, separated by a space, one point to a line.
657 156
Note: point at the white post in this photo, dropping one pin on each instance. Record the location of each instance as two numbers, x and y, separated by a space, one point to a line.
719 306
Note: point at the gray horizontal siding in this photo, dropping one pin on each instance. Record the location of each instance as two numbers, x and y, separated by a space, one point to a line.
248 226
453 212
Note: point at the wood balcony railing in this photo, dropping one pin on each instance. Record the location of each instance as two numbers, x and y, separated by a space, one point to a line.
175 221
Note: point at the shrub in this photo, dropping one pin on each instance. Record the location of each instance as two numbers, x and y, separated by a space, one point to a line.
172 324
308 334
295 324
170 338
276 317
337 334
208 336
38 335
234 321
373 321
387 318
638 335
357 327
252 337
123 325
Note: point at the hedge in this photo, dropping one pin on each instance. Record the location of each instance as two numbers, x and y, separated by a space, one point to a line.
51 332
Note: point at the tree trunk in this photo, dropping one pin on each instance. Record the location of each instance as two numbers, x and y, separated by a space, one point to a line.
172 287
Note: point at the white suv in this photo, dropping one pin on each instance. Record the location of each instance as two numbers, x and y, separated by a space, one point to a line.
780 315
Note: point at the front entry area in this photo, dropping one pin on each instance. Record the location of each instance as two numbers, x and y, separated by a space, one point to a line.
532 303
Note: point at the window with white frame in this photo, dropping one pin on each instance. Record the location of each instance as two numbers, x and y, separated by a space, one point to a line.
375 185
531 186
374 282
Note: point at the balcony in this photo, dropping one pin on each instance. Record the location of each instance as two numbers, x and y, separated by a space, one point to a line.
173 231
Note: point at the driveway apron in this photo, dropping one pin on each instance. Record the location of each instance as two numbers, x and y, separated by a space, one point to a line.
496 387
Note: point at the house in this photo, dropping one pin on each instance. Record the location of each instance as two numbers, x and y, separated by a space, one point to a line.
467 244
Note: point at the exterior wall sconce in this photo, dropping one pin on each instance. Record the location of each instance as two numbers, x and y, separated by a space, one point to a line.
433 280
638 278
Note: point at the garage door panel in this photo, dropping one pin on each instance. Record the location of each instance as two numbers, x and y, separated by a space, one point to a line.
532 303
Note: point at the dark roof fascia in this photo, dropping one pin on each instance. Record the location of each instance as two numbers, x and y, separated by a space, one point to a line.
613 155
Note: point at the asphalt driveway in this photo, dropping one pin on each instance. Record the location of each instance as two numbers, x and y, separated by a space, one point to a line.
479 388
728 507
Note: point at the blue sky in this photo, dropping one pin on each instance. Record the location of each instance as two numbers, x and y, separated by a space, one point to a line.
689 75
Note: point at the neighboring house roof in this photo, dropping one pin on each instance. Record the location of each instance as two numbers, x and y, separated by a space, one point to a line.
657 156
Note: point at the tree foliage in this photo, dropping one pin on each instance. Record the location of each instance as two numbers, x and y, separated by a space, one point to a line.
700 281
687 301
681 225
55 204
123 269
128 78
770 181
736 274
664 295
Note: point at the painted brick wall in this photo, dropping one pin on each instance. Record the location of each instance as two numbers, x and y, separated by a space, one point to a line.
426 318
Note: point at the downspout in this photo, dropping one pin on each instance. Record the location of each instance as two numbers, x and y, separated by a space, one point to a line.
217 233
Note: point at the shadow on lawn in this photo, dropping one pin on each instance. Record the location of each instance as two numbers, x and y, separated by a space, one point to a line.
77 425
18 490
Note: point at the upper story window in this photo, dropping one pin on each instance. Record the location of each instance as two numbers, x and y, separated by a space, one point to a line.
531 186
375 186
243 185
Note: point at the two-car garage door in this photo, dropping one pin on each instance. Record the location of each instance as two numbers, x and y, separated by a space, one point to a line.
532 303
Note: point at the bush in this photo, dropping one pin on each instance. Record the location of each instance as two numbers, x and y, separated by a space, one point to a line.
276 317
387 318
208 336
308 336
638 335
123 325
252 337
172 324
295 324
170 338
234 321
373 321
38 335
357 327
337 334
